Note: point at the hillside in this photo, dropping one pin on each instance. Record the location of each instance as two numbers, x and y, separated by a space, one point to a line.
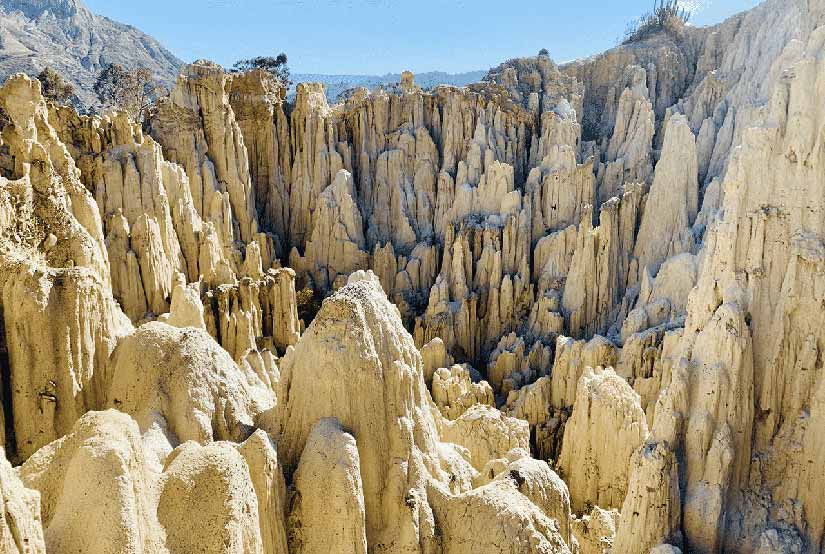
66 36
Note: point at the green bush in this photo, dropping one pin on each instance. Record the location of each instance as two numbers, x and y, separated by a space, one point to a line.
667 16
55 87
133 90
277 67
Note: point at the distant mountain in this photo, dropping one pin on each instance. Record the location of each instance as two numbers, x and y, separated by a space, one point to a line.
66 36
336 84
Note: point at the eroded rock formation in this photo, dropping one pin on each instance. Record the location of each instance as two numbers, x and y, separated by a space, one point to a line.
570 309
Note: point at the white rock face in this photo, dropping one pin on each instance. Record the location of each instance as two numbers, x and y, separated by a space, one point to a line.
99 470
606 428
328 511
22 530
503 521
207 501
464 262
180 386
650 514
672 203
356 363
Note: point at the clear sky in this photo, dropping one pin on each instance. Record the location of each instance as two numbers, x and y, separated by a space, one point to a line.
387 36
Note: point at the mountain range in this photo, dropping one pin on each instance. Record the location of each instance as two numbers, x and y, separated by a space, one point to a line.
77 43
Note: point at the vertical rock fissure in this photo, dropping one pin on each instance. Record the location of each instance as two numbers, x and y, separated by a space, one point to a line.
6 412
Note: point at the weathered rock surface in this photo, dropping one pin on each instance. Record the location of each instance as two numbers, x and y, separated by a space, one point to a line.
655 209
21 531
207 501
328 508
99 470
606 428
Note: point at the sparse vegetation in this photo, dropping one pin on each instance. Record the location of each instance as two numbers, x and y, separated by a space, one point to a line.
131 90
669 16
277 67
55 87
309 302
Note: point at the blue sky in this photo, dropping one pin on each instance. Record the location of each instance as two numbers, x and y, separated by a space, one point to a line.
382 36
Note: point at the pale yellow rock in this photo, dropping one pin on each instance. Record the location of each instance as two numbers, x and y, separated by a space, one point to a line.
61 321
483 291
72 313
357 363
267 478
186 308
650 514
434 356
513 365
672 204
207 502
504 521
96 488
595 531
180 385
544 488
533 404
629 153
606 428
662 300
486 433
328 507
602 267
546 202
254 315
337 244
572 358
212 153
21 530
257 102
455 390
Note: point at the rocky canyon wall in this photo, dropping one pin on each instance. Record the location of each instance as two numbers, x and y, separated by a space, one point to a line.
568 309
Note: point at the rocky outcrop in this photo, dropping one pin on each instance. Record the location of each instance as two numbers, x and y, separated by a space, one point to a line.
486 434
100 470
180 385
207 501
56 279
22 530
650 514
672 204
503 521
654 209
356 363
459 388
327 512
267 476
595 531
606 428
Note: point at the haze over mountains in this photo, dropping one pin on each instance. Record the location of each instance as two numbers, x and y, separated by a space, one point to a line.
336 84
66 36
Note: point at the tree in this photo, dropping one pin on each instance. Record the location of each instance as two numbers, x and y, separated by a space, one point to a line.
55 87
544 52
277 67
131 90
